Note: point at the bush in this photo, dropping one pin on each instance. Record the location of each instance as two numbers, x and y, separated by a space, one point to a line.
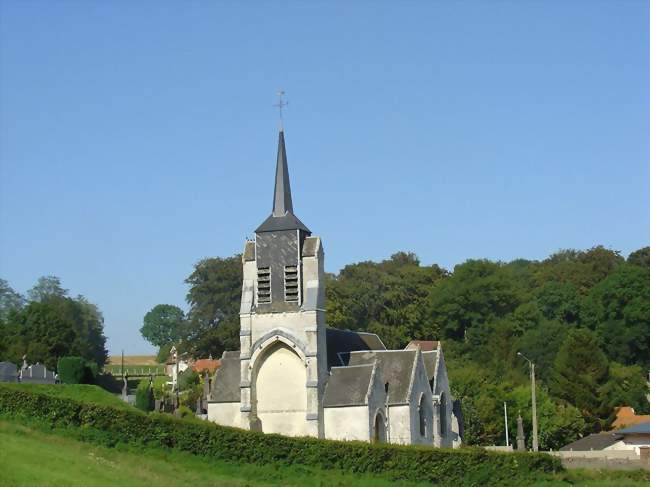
187 379
467 466
144 399
72 370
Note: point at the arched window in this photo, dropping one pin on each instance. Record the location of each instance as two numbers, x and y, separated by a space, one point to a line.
443 414
380 428
422 409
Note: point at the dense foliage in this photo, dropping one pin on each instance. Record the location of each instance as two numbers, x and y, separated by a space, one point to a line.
443 466
72 370
49 325
144 396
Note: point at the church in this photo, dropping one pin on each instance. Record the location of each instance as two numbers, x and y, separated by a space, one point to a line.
295 376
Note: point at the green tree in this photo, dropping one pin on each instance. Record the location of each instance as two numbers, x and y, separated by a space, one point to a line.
10 300
580 370
53 328
163 325
214 298
479 291
618 308
640 258
558 424
47 287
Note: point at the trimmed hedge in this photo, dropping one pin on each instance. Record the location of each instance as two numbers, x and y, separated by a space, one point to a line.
467 466
72 370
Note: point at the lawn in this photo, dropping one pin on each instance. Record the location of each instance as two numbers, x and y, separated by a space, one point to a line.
78 392
30 457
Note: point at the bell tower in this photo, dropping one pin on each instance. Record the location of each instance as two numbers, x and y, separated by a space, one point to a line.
282 320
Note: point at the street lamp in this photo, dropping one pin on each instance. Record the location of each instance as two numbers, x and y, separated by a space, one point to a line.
532 386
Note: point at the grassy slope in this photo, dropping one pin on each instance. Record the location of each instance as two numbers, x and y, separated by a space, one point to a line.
33 458
78 392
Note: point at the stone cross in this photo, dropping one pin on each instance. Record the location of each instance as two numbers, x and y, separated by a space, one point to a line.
521 439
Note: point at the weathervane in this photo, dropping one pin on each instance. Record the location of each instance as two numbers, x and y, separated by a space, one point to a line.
281 104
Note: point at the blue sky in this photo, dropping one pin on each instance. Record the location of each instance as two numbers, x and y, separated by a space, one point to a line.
139 137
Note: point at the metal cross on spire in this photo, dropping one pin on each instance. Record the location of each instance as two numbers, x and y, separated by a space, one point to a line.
281 104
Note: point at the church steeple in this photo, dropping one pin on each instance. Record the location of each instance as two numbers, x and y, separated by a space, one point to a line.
282 217
282 203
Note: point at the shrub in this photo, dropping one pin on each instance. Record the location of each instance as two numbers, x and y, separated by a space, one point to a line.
144 399
187 379
72 370
467 466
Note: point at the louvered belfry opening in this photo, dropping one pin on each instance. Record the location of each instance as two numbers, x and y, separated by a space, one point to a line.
291 284
264 285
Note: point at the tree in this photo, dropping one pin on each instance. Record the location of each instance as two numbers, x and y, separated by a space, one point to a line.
163 325
579 371
479 291
214 298
10 300
47 287
640 258
618 308
54 328
386 297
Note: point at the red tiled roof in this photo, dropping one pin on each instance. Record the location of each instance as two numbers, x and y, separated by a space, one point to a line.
206 364
625 416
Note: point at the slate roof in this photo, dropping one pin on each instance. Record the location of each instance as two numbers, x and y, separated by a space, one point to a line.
643 428
597 441
430 359
348 386
396 368
340 342
282 217
225 386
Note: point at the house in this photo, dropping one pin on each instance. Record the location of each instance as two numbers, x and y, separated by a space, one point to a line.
626 439
296 376
626 416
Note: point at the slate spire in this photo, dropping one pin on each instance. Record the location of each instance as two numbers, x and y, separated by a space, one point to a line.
282 203
282 217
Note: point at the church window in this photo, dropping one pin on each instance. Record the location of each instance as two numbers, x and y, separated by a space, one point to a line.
443 414
263 285
291 283
423 418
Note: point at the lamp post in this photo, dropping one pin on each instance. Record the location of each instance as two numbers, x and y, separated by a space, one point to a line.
532 386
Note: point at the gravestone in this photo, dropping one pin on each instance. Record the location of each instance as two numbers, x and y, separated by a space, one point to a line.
37 374
8 372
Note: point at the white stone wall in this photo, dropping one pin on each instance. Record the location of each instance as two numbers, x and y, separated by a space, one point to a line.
399 424
302 331
280 393
347 423
441 391
226 413
420 389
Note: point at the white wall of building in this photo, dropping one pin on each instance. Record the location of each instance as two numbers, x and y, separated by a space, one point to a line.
225 413
281 393
347 423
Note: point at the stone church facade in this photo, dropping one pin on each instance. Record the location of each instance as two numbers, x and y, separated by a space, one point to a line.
295 376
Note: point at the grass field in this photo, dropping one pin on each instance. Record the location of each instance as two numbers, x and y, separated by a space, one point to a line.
30 457
133 360
78 392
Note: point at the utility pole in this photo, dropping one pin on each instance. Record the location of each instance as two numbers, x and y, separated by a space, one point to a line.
532 382
532 387
505 413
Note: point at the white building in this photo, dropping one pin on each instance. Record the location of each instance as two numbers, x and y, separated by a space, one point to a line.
295 376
